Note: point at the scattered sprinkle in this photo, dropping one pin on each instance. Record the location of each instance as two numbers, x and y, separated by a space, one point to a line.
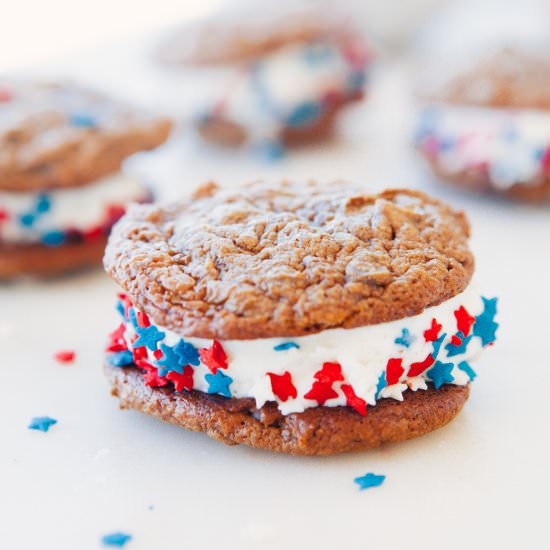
116 539
406 338
41 423
369 480
65 356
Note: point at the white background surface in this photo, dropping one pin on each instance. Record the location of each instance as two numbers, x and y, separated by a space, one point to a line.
480 482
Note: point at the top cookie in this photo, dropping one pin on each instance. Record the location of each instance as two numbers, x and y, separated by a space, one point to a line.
61 135
505 79
288 259
242 36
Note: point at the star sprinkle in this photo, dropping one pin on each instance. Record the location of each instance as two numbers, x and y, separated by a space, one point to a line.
322 389
465 367
418 368
394 371
121 358
82 120
116 339
282 386
440 374
464 320
116 539
458 344
53 238
485 326
151 377
436 345
139 353
65 356
182 381
142 319
353 400
369 480
126 304
219 383
43 204
431 334
286 345
5 95
381 383
188 353
406 338
169 362
41 423
214 357
149 337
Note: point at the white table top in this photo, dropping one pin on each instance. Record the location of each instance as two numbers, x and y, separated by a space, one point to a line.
481 481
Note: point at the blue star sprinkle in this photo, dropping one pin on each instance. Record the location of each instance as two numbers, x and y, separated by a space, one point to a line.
369 480
219 383
188 353
121 310
116 539
453 350
286 345
304 114
42 423
43 204
53 238
270 151
82 120
437 345
464 366
406 338
27 219
133 319
121 358
485 326
440 374
149 336
382 383
170 361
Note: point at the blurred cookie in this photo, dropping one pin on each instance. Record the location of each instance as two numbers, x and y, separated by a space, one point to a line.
276 81
61 187
286 315
488 128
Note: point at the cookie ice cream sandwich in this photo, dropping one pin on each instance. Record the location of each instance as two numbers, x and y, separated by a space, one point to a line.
273 81
488 127
296 317
61 184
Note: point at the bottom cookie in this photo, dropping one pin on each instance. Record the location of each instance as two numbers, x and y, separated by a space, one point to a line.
227 133
316 431
479 182
38 260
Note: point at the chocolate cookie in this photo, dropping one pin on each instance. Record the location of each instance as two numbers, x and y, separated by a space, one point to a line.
317 431
488 128
301 306
61 188
277 81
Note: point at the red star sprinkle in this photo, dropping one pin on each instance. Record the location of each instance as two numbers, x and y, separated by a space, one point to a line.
114 213
282 385
93 233
330 373
153 380
157 354
394 370
455 340
182 381
116 339
126 302
353 400
145 365
418 368
432 333
139 353
143 319
214 358
546 161
320 392
464 321
5 95
4 215
65 356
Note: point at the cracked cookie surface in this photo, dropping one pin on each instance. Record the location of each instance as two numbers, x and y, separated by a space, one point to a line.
288 259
